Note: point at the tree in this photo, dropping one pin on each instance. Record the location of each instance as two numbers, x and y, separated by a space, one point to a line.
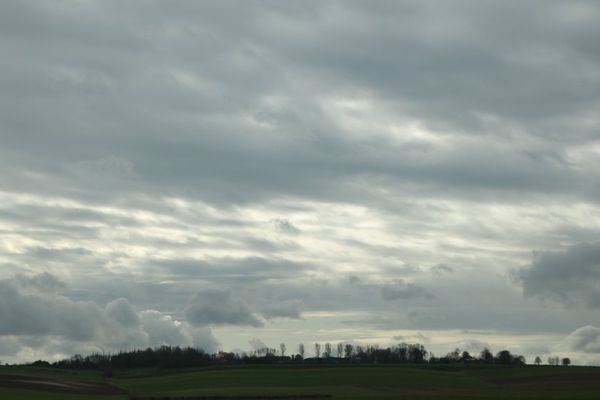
486 356
282 348
566 361
327 352
301 350
465 356
520 360
318 350
504 357
340 349
554 361
348 350
454 356
416 353
403 352
538 360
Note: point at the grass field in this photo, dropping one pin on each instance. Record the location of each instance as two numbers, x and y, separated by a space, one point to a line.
339 382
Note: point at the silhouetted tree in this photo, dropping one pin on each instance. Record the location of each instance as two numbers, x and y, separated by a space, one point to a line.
454 356
504 357
340 349
466 357
538 360
486 356
348 350
177 357
403 352
566 361
327 352
416 353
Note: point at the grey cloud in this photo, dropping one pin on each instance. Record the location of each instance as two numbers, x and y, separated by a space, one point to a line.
378 321
473 345
44 282
422 78
282 309
122 312
162 328
441 269
246 269
585 339
401 290
286 226
33 316
569 276
36 313
9 345
204 339
256 344
418 338
57 253
219 307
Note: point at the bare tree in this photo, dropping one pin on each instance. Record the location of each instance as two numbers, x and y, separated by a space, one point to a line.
282 348
340 349
538 360
554 361
301 350
318 350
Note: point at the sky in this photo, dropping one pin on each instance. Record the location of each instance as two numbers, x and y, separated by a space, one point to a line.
234 174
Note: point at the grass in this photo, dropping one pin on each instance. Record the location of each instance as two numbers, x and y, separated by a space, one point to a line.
21 394
342 382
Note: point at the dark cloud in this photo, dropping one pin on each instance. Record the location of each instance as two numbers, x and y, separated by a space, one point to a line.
219 307
43 282
39 314
34 316
569 276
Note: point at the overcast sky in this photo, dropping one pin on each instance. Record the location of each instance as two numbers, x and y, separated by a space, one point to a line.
231 173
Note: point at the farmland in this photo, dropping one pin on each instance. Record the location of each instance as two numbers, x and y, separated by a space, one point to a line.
337 382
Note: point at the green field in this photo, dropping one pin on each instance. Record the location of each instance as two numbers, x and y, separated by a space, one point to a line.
340 382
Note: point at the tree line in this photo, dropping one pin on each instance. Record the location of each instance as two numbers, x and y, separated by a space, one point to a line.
342 353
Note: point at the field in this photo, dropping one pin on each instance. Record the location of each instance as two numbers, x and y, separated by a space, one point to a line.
305 382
